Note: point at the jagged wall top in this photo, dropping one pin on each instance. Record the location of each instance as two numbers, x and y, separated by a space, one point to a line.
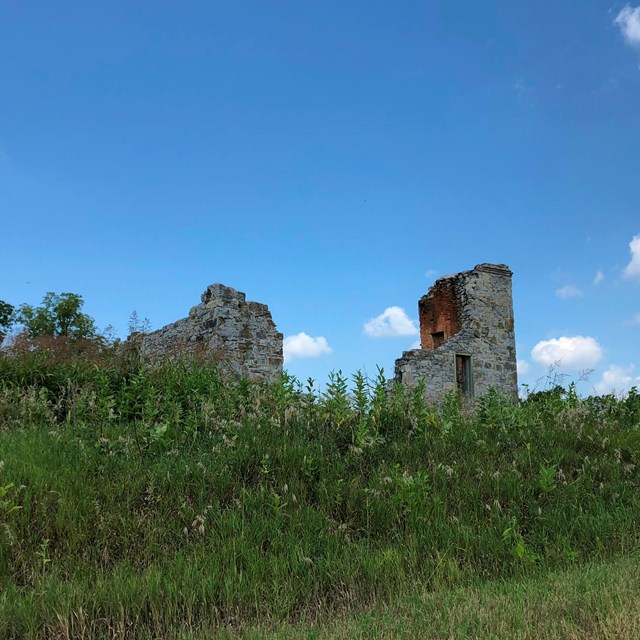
238 336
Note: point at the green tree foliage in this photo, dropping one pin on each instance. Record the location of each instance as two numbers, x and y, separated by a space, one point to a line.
6 318
59 315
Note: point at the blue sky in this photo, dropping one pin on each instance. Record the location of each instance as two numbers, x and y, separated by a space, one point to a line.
330 159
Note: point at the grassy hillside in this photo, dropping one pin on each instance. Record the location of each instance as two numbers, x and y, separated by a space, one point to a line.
151 503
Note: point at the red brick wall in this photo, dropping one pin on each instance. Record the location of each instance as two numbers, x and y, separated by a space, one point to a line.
439 311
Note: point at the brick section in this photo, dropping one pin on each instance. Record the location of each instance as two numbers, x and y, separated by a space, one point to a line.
439 313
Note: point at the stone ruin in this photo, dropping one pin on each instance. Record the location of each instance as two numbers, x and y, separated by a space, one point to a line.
239 336
467 339
466 336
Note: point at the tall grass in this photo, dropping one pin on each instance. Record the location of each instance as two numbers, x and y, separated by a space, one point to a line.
148 500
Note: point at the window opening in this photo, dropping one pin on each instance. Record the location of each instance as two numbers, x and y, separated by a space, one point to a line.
438 338
464 377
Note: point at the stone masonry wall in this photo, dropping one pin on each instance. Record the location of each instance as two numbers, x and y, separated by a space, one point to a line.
239 336
485 334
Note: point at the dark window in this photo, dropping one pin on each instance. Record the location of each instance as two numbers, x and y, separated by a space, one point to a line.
438 338
464 376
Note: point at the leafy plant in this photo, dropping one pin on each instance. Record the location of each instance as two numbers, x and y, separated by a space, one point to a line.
7 506
43 554
336 399
546 480
518 547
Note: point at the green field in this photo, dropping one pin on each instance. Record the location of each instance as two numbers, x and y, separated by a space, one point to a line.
168 503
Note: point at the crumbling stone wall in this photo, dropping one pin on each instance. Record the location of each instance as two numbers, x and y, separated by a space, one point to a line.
239 336
467 336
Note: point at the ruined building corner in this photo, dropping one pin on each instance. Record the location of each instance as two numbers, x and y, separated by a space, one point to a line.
467 339
225 329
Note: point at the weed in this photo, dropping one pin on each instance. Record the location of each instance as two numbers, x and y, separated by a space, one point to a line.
546 480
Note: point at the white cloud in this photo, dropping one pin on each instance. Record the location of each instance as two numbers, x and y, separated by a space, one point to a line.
577 352
304 346
632 270
523 367
599 277
636 319
568 291
628 21
430 274
416 344
618 380
392 322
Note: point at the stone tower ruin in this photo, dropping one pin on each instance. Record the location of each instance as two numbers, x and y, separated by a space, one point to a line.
467 340
239 337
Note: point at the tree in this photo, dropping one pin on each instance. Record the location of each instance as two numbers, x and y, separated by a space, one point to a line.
58 315
6 318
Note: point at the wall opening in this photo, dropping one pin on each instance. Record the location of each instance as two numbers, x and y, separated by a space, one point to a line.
437 339
464 376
